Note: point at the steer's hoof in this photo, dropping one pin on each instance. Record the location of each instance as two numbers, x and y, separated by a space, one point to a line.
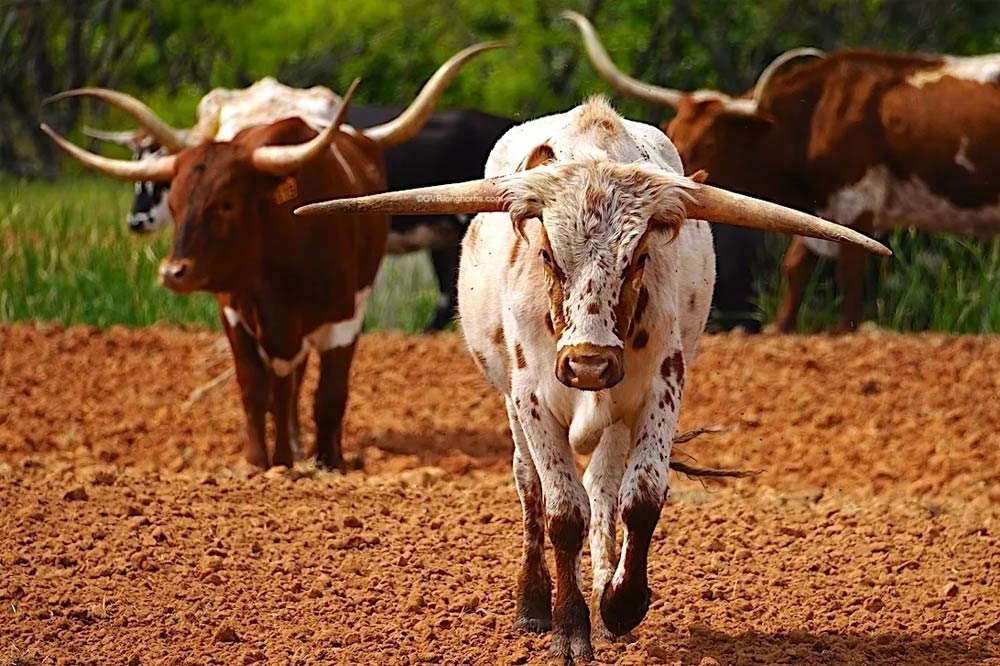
624 608
575 649
533 625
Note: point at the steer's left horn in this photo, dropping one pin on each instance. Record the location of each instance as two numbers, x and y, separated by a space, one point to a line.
474 196
159 169
716 205
172 139
286 160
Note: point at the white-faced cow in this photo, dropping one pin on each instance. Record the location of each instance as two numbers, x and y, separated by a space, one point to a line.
285 286
583 302
873 141
451 145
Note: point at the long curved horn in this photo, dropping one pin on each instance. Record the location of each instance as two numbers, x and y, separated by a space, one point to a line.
717 205
765 77
703 202
170 138
160 169
406 125
619 80
285 160
473 196
124 138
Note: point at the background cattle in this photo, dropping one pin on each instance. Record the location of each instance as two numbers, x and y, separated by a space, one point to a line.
283 287
452 145
595 208
871 140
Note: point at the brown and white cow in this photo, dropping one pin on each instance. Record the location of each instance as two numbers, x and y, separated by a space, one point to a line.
870 140
583 303
285 286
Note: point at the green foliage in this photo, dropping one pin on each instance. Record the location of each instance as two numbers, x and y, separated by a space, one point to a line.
66 256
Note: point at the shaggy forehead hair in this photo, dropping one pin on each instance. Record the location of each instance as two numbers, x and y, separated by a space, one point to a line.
596 212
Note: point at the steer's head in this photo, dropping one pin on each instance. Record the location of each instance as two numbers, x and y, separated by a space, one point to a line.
149 208
596 223
217 193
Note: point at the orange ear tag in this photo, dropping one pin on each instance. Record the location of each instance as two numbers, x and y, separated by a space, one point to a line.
286 190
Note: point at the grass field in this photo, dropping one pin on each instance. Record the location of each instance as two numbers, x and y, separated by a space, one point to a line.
66 256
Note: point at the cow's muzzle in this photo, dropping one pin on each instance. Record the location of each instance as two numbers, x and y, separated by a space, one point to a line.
590 367
178 275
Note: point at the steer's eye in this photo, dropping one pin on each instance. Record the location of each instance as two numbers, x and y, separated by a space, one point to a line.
226 206
643 258
546 257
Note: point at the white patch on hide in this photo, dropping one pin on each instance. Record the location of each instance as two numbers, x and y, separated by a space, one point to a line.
981 69
341 333
328 336
908 203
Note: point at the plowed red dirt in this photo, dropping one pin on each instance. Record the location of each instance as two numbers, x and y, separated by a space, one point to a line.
131 532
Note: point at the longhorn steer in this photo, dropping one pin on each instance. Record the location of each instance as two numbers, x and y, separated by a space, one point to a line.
284 286
584 306
452 145
870 140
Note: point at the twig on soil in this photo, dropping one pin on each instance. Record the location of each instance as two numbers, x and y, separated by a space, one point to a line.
697 432
691 471
205 388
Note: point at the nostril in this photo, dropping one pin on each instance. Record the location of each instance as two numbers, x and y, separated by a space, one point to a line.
174 271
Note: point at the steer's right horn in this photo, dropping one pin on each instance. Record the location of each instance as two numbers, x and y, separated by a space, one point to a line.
624 83
406 125
474 196
172 139
159 169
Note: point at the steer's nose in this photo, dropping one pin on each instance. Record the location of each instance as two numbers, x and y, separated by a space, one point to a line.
589 367
174 273
137 223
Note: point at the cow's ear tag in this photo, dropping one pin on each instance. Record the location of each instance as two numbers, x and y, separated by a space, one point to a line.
286 190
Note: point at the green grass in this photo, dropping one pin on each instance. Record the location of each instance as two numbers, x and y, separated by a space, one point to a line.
66 256
932 282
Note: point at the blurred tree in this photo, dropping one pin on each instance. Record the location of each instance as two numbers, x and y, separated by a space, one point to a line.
171 53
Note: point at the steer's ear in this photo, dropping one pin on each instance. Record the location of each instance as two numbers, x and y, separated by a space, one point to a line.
699 176
539 155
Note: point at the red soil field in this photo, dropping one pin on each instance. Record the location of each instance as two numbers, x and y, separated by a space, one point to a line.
132 533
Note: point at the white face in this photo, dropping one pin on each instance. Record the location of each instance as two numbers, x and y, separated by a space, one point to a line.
150 210
596 220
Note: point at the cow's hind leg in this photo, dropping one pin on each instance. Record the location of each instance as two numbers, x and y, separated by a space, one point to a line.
331 404
602 481
851 263
567 512
799 264
534 585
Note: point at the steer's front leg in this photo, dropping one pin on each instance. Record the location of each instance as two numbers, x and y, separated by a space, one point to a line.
568 513
644 488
